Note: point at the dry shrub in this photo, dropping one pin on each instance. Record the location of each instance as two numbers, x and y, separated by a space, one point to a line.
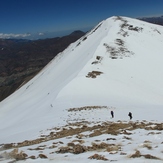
70 144
149 126
148 156
110 139
113 148
95 133
135 28
119 42
126 133
37 149
98 57
156 127
52 146
77 149
31 142
95 62
123 153
153 133
52 133
99 146
125 137
32 157
84 126
64 150
112 131
42 156
114 128
136 154
147 145
86 108
93 74
60 142
79 136
15 154
18 155
147 141
7 146
98 157
113 152
80 141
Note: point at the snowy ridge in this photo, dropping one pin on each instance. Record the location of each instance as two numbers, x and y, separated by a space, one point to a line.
116 66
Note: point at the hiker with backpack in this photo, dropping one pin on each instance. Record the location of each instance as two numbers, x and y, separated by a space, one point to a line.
112 114
130 115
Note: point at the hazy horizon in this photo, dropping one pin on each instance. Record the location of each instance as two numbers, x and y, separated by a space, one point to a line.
43 19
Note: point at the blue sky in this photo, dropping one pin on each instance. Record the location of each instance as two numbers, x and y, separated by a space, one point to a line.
49 18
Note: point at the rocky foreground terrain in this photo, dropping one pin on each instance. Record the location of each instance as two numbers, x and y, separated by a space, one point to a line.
20 60
110 140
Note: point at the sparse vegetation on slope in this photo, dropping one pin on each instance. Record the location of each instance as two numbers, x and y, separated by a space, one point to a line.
117 135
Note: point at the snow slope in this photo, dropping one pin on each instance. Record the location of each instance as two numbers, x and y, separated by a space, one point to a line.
117 64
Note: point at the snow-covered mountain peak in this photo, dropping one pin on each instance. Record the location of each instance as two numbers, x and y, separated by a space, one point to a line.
117 64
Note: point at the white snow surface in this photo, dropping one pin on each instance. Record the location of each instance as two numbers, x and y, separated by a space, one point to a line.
131 82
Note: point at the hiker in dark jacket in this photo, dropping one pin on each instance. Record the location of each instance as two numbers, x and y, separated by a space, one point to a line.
130 115
112 114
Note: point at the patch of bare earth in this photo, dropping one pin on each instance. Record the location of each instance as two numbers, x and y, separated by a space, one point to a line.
82 130
98 157
113 128
15 154
147 156
94 74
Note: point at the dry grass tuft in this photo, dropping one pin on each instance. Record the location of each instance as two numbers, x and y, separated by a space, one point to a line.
99 146
98 157
75 149
147 145
80 141
32 157
87 108
94 74
148 156
95 133
15 154
42 156
113 147
136 154
64 150
71 144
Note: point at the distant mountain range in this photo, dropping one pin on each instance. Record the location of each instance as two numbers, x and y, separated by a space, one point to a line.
21 59
154 20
